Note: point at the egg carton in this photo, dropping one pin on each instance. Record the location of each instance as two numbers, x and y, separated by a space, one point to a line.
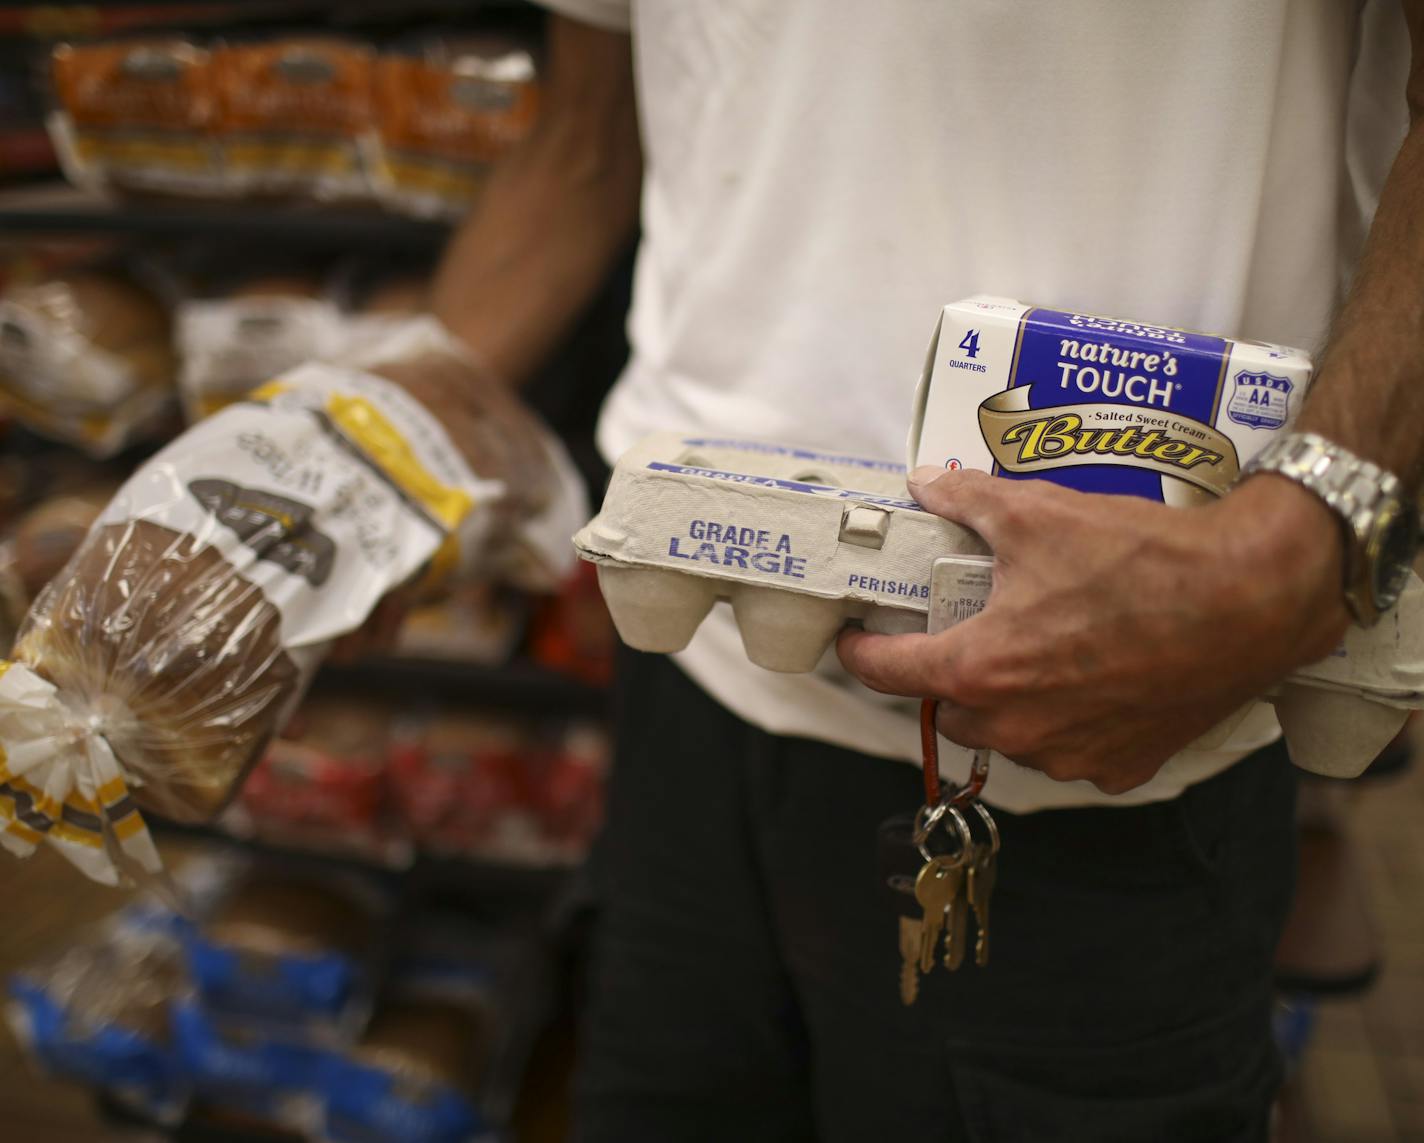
799 541
802 542
1337 714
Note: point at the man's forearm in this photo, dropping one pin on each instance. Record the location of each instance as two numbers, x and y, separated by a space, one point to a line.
556 213
1370 393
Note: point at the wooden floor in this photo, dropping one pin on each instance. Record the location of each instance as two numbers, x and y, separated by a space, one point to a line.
1363 1078
1361 1081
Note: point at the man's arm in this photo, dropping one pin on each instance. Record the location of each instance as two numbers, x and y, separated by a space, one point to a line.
1370 396
1120 630
556 214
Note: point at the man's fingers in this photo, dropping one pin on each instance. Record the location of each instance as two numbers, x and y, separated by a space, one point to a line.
985 503
910 665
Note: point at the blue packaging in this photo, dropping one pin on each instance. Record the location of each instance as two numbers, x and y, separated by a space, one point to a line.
1099 404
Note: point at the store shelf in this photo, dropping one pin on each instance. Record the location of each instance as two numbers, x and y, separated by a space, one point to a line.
63 19
521 687
57 208
503 888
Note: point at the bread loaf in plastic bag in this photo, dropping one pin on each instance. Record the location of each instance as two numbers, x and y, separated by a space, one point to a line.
152 672
86 358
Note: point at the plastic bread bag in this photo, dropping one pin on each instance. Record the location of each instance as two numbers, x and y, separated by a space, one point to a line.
153 671
446 112
322 783
86 358
291 950
267 1076
99 1015
448 1040
231 343
136 115
38 547
291 112
409 1079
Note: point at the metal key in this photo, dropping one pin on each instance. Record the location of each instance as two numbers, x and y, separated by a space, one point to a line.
900 860
956 925
979 889
937 885
909 959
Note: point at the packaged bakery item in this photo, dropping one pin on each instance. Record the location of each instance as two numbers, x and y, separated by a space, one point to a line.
136 114
268 1076
152 673
46 536
446 112
409 1079
436 1063
457 781
571 631
290 114
99 1015
256 329
279 948
86 358
322 783
376 299
41 543
566 789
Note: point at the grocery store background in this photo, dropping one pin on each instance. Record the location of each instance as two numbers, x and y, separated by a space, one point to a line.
225 189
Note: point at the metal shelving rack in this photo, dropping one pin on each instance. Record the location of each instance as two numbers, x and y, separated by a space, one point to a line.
56 209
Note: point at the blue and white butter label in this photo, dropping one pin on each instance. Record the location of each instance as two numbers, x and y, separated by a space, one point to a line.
1099 404
1261 400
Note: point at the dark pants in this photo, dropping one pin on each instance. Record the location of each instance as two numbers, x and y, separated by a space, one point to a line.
744 984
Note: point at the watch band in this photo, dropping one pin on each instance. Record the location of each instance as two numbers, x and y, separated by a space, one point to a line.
1352 487
1358 491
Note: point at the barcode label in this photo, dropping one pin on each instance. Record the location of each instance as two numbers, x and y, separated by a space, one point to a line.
965 608
959 589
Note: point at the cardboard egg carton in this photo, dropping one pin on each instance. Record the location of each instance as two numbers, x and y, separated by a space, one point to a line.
800 542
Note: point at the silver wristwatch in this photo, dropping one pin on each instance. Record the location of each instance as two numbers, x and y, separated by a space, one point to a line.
1381 522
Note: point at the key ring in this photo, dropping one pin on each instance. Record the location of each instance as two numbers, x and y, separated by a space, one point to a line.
933 817
990 824
929 748
926 818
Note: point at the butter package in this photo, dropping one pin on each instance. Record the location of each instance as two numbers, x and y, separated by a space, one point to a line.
1098 404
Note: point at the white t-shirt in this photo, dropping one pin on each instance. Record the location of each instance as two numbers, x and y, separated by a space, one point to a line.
822 175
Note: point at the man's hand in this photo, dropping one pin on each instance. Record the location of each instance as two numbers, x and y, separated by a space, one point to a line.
1118 630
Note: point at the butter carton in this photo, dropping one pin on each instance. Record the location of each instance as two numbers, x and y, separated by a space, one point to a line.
1098 404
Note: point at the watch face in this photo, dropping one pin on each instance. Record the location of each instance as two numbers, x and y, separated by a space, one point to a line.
1396 538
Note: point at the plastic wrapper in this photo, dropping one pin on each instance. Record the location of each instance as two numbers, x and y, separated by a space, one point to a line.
137 115
571 631
152 672
290 114
323 783
288 951
86 357
446 113
41 543
440 1059
468 623
467 785
265 1075
99 1016
232 344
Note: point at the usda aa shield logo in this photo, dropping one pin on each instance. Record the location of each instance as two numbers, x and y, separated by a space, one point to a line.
1260 400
